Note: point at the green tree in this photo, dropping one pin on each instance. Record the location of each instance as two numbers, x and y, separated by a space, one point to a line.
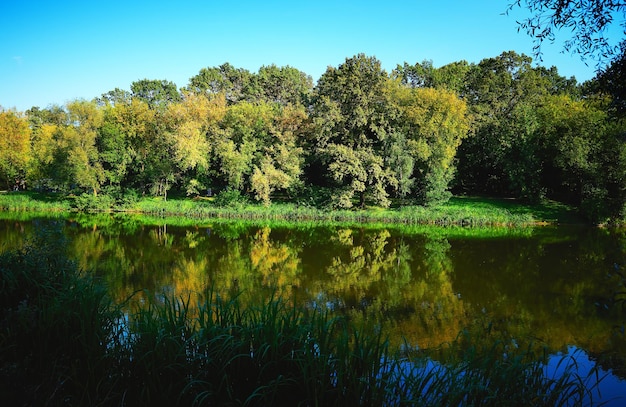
284 85
43 147
502 93
358 171
14 148
236 84
115 155
575 133
281 158
612 81
151 167
401 161
156 93
244 129
44 124
37 117
425 75
115 96
352 118
77 160
257 148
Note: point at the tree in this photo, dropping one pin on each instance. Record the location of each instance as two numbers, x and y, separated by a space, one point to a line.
501 93
433 122
190 125
257 148
115 96
143 130
14 149
245 128
156 93
284 85
401 160
352 119
612 81
45 125
43 147
282 159
114 150
235 83
573 133
77 146
587 21
37 117
425 75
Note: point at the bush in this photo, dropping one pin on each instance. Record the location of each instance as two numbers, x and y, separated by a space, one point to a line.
230 198
594 204
94 203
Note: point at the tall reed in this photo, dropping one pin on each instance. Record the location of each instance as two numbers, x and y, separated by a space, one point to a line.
56 328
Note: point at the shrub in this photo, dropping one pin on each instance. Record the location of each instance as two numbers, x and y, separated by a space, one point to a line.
94 203
230 198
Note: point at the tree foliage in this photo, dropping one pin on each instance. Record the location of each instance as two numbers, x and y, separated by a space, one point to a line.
361 136
434 122
14 149
352 119
154 92
587 20
612 81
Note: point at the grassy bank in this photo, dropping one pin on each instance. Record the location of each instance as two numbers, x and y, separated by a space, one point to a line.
458 211
63 342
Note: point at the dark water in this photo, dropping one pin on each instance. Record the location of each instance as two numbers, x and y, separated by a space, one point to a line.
555 287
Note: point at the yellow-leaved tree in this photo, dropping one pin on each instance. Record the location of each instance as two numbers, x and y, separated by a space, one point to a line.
431 124
14 149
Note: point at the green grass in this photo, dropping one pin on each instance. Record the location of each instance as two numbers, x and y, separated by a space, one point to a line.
463 211
546 211
62 342
32 201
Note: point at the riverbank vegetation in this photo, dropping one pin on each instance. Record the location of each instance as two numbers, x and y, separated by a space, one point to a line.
63 341
458 211
360 137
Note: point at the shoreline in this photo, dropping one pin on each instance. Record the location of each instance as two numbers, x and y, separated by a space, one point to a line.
459 211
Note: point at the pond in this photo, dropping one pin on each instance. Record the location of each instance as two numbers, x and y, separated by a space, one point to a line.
546 287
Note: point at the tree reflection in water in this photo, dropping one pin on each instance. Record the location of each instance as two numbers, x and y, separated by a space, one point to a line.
549 287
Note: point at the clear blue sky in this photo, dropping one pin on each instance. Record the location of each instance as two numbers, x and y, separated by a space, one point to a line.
55 51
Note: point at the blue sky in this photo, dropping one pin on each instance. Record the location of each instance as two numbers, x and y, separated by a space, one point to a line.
56 51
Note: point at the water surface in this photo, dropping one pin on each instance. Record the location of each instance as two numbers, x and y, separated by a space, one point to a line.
552 287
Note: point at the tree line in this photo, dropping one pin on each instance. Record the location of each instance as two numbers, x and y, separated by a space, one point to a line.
359 136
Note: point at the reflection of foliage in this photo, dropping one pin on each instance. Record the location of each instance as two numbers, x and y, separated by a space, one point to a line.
419 283
363 266
278 263
230 230
435 256
189 276
192 239
161 237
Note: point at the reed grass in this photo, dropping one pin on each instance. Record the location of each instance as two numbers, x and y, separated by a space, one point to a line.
444 215
463 212
33 202
62 342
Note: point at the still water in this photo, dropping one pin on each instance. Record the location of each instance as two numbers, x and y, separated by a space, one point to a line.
552 287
